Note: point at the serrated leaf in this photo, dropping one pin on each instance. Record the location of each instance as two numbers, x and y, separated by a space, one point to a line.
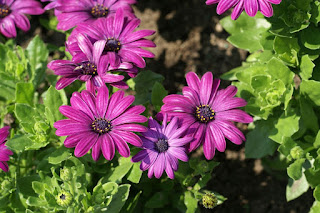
311 89
306 67
19 142
296 188
287 49
295 169
59 155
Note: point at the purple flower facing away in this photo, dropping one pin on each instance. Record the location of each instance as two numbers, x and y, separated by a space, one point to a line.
122 43
162 147
101 123
87 66
74 12
250 6
4 151
12 15
208 112
54 4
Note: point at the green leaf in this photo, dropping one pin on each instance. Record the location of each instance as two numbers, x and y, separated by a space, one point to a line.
312 177
306 67
38 187
191 202
120 171
25 115
308 116
158 200
295 169
315 12
158 93
296 188
258 144
316 193
315 207
37 54
7 89
24 185
59 155
311 89
53 101
278 70
286 146
24 93
317 141
135 173
119 199
34 201
19 142
310 37
287 49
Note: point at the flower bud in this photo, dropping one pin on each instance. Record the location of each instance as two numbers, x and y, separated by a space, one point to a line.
6 185
65 174
209 200
41 127
297 152
64 198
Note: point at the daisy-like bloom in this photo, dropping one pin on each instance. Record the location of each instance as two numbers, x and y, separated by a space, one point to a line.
122 43
4 151
101 123
250 6
74 12
88 67
12 15
162 147
208 113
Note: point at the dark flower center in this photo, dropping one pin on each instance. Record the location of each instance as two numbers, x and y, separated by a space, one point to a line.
87 68
62 196
4 10
161 145
204 113
99 11
113 45
101 125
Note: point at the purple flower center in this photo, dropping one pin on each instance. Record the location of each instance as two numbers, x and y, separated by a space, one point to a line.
99 11
204 113
87 68
4 10
101 125
113 45
161 145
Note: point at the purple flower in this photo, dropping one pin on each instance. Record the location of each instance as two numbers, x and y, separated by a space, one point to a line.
87 66
162 147
101 123
208 113
250 6
12 15
74 12
122 44
4 151
54 4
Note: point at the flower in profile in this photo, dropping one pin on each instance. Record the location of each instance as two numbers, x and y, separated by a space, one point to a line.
208 113
12 15
87 11
122 43
54 4
162 147
4 151
101 123
250 6
87 66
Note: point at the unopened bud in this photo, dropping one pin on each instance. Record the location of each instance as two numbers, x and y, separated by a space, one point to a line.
65 174
297 152
64 198
209 200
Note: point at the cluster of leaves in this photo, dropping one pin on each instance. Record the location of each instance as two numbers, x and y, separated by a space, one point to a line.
281 82
44 176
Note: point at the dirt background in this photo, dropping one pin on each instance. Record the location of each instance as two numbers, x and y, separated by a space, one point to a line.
190 38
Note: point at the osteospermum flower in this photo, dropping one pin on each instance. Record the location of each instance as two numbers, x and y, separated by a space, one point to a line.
250 6
208 113
122 44
88 67
101 123
4 151
74 12
12 15
162 147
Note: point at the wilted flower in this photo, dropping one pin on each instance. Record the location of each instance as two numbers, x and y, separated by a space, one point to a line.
162 147
122 44
4 151
101 123
250 6
88 67
208 113
87 11
12 15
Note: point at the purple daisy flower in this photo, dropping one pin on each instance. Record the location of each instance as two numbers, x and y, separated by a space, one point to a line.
250 6
74 12
87 66
208 113
12 15
162 147
4 151
101 123
122 44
